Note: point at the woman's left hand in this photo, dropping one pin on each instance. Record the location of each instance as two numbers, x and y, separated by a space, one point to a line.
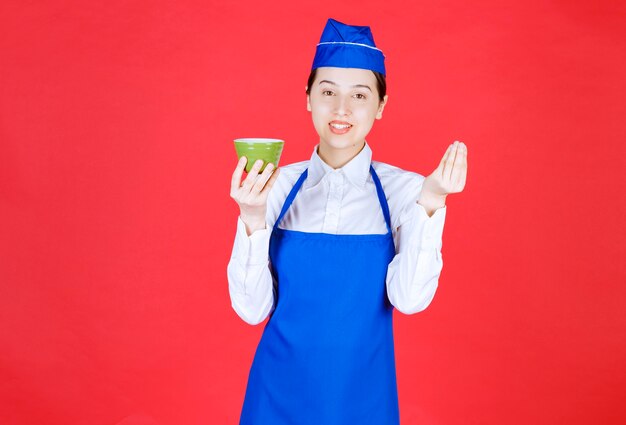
449 176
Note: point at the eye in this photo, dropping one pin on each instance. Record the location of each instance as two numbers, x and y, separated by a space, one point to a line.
326 91
360 96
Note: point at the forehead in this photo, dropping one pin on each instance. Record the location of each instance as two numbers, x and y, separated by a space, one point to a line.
346 76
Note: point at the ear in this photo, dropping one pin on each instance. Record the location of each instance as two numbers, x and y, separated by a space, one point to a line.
308 103
381 106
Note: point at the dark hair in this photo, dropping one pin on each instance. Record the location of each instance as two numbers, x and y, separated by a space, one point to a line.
381 83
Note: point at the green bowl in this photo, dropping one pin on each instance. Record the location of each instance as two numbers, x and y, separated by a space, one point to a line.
268 150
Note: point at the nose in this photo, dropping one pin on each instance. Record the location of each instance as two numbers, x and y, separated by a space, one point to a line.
342 106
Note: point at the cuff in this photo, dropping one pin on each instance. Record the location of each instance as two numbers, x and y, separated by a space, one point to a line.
432 227
253 249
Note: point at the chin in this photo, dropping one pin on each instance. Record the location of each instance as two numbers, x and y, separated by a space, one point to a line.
340 143
341 140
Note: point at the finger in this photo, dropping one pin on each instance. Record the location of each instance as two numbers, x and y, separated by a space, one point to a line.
458 168
464 156
442 163
451 161
461 166
270 182
458 159
464 166
447 161
236 179
252 175
260 182
445 155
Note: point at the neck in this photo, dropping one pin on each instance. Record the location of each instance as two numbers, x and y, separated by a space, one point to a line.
337 158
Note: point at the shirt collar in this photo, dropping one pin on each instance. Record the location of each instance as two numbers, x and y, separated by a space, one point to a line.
356 170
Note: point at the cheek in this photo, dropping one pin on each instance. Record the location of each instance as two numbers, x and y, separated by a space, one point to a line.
320 112
366 115
321 106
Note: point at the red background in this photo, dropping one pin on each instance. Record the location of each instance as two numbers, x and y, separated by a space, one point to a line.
116 128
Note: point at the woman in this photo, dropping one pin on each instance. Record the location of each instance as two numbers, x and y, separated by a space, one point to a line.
327 248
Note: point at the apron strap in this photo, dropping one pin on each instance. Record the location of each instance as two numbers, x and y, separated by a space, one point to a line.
291 196
381 198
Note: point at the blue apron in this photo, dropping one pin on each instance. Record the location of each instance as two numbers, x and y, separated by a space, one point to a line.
326 356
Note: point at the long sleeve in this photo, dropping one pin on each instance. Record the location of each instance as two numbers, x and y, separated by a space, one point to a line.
413 274
250 281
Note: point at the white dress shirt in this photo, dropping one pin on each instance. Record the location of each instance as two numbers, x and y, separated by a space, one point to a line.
343 201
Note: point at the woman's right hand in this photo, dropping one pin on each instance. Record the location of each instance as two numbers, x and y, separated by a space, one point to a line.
251 194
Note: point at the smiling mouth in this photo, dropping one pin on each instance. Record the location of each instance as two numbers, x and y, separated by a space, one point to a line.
339 128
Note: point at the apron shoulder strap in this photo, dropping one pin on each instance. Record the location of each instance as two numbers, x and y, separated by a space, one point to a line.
381 198
291 196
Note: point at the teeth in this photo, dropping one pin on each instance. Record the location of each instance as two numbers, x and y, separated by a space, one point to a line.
340 126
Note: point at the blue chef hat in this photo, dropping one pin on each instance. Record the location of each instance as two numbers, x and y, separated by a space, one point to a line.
348 46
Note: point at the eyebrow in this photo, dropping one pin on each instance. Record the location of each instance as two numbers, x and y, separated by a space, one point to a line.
354 86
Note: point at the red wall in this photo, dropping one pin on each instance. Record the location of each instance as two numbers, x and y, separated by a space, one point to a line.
116 225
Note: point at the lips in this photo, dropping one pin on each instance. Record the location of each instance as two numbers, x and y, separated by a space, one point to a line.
339 127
